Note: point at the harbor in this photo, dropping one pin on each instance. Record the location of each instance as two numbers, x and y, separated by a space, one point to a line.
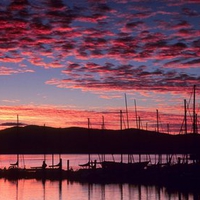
143 157
161 170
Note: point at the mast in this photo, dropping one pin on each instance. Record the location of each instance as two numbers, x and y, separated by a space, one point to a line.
139 123
185 115
44 141
168 131
196 124
17 163
157 120
126 111
194 110
121 132
103 123
136 114
121 120
89 141
103 128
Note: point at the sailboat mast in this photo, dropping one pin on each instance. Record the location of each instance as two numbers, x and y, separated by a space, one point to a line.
185 115
126 111
17 138
121 132
17 120
194 110
89 141
103 128
136 114
157 116
103 123
120 119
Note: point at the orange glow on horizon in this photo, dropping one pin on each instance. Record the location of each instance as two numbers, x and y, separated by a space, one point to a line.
62 117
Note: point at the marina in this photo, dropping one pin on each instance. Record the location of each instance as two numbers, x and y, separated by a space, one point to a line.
166 170
99 100
163 160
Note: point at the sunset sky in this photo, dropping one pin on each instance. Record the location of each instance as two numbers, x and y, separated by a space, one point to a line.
62 62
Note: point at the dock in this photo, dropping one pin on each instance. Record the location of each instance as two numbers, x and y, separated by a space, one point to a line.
165 170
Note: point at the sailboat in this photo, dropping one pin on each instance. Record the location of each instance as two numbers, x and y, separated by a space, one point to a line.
195 157
14 171
90 164
53 171
16 164
121 166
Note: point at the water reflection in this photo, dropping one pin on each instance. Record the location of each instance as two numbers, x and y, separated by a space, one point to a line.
43 184
61 190
46 188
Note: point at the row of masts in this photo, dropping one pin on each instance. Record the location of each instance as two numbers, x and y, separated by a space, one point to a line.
157 129
195 130
194 115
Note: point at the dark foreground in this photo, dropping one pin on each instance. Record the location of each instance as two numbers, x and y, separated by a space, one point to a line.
176 175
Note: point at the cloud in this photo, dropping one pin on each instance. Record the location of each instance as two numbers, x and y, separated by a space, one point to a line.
12 124
4 71
10 101
93 77
106 44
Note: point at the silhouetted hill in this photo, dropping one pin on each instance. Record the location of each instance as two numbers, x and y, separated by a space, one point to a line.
37 139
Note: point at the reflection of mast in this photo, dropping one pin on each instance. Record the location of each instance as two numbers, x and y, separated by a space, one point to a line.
44 193
60 189
121 191
89 190
17 188
103 196
139 192
158 192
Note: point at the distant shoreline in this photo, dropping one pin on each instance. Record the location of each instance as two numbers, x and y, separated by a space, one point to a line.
74 140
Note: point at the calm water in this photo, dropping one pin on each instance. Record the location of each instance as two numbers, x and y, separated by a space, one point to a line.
64 190
53 190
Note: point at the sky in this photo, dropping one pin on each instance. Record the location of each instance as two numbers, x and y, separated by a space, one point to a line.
63 62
